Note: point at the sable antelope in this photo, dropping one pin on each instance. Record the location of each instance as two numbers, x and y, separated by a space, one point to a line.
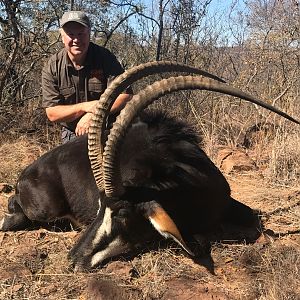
150 169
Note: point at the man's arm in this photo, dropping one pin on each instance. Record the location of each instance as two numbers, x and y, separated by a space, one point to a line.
120 102
69 112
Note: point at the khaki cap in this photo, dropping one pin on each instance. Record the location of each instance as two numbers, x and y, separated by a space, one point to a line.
75 16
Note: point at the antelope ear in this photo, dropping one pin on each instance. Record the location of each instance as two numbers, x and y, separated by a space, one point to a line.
164 224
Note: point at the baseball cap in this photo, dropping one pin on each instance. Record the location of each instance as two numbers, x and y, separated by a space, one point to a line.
75 16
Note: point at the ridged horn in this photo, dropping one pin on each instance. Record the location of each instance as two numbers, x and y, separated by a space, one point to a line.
96 129
111 155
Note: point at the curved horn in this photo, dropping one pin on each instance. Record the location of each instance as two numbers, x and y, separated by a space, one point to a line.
111 156
96 130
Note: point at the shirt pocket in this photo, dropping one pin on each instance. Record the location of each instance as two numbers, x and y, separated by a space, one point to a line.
67 91
96 85
96 88
68 94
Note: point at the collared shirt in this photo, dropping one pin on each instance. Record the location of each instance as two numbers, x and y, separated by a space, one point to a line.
63 84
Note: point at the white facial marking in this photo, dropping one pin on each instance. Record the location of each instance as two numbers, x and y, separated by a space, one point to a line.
116 247
1 223
105 227
99 201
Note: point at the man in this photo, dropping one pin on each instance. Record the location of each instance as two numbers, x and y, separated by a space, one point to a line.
75 77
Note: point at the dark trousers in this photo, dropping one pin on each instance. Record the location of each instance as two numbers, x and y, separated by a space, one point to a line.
67 135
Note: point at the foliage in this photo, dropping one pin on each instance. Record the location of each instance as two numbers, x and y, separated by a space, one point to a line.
254 45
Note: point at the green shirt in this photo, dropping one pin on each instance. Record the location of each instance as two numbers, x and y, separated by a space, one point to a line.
63 84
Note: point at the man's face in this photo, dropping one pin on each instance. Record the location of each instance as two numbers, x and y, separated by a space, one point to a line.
76 38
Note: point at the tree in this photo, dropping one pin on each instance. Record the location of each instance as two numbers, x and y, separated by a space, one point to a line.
26 32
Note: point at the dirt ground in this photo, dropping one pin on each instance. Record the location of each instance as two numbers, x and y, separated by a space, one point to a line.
240 265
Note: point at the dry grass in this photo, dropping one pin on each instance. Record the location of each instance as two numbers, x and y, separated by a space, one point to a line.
275 270
154 269
284 159
34 265
14 156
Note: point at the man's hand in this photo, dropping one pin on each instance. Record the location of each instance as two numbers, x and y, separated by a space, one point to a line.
83 124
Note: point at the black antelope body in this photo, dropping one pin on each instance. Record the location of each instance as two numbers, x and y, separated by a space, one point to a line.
147 176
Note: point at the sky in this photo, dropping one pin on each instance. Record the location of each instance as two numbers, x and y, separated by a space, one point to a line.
220 9
226 4
216 21
216 5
